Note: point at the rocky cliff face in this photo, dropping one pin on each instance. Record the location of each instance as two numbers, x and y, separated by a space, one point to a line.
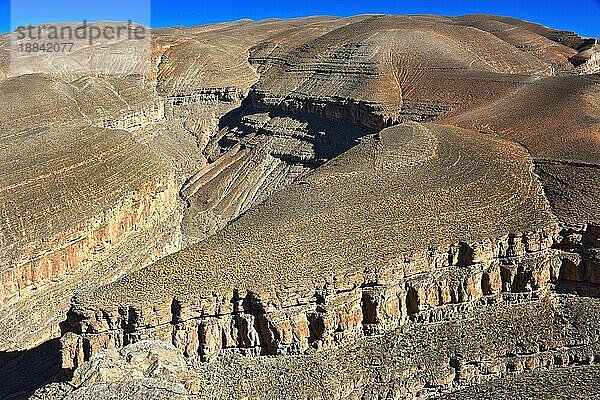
553 336
44 251
51 258
93 195
434 288
359 296
587 58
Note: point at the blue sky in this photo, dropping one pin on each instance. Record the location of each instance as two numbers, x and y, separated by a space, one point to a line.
582 16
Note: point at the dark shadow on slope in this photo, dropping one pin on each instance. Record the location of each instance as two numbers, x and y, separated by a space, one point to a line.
301 142
22 372
581 289
329 137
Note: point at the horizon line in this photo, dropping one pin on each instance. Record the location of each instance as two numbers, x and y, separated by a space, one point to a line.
248 19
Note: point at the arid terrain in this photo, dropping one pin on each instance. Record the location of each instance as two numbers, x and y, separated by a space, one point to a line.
372 207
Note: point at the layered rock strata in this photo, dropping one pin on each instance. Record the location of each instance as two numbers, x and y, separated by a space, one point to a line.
55 228
296 319
234 113
495 348
372 72
221 306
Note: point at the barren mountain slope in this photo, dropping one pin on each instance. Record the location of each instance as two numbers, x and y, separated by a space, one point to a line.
272 154
414 220
369 71
73 192
557 119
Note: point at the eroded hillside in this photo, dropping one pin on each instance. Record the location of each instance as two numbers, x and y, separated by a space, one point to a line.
314 189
